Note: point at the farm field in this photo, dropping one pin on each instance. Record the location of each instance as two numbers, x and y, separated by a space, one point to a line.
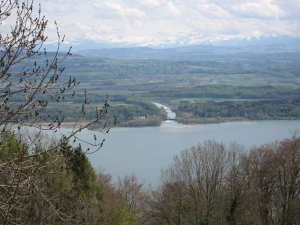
198 79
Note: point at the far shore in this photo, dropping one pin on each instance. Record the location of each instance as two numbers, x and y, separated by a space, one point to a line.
180 124
67 124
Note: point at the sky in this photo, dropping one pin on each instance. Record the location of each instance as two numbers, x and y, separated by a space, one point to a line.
163 22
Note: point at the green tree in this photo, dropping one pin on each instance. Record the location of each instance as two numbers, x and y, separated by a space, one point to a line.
29 161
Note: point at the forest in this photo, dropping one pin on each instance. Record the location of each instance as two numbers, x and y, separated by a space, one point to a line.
228 92
126 111
239 110
202 104
206 184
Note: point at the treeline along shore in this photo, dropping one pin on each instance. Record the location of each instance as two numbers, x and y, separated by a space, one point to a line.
202 104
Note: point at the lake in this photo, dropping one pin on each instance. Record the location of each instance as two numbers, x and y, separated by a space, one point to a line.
145 151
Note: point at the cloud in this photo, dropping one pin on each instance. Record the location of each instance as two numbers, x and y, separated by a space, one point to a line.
172 9
60 8
213 11
262 9
149 3
161 21
111 9
292 8
84 27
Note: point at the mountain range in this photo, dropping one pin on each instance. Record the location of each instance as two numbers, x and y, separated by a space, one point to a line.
253 45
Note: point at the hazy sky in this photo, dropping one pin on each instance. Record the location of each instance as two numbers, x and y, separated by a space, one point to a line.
152 22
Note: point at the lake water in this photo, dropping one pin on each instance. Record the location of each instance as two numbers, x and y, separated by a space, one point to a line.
145 151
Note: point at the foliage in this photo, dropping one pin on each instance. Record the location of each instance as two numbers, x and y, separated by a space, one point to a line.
124 201
30 180
228 92
83 173
35 184
215 184
252 110
129 113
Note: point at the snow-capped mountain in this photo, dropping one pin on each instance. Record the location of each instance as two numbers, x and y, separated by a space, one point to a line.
249 44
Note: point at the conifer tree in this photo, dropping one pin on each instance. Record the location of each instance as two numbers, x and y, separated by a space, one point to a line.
30 79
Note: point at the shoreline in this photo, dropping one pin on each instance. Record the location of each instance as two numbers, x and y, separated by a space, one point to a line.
180 124
67 124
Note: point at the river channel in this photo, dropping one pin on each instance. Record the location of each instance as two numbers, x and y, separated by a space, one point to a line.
145 151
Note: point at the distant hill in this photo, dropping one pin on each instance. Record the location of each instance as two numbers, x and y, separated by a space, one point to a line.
250 45
189 52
